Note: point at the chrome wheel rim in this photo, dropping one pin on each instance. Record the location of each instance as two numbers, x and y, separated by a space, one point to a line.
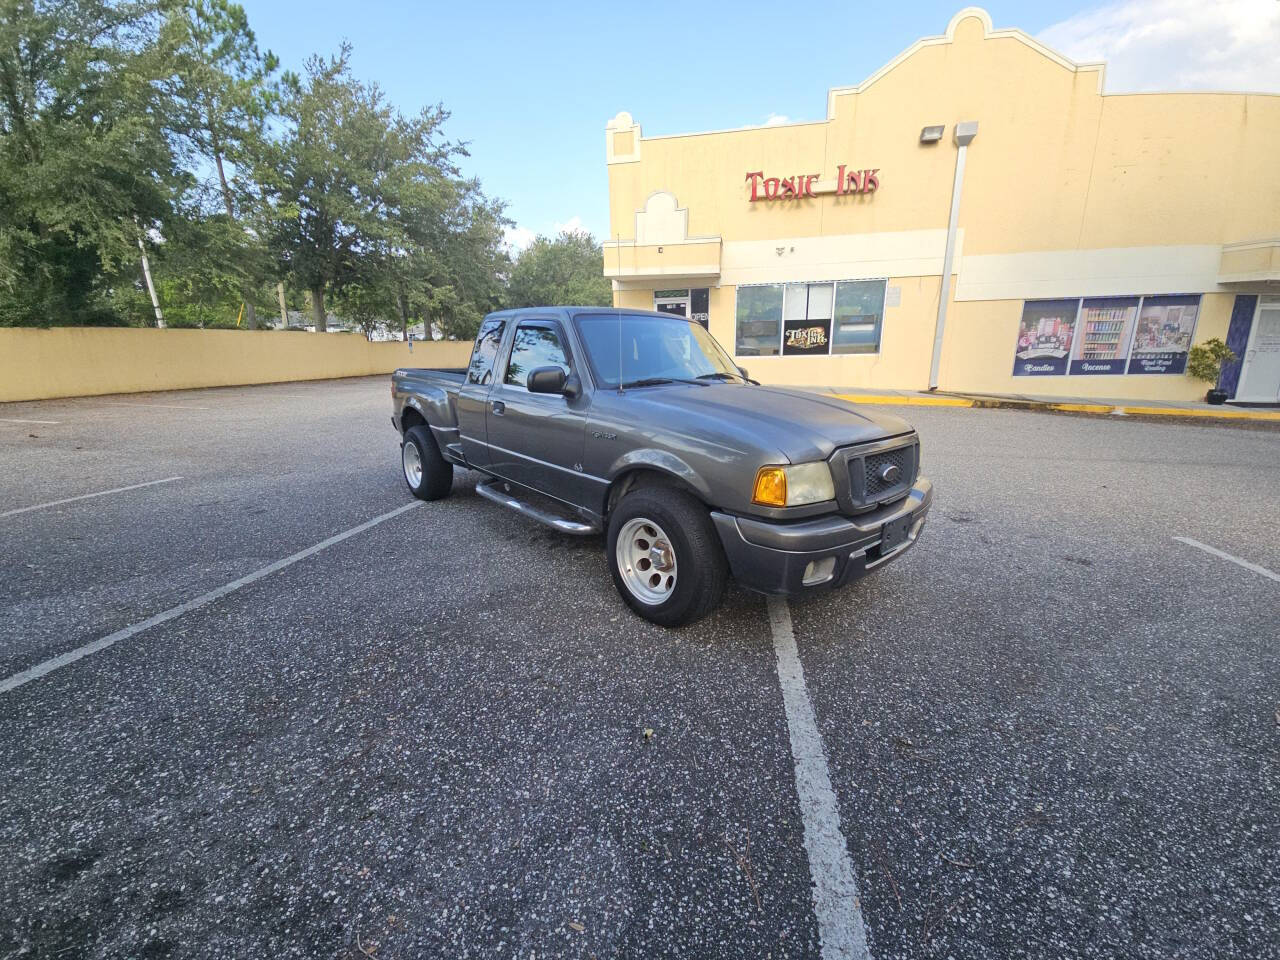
412 461
646 560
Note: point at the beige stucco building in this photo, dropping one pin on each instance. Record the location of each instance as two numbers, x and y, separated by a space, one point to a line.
1095 236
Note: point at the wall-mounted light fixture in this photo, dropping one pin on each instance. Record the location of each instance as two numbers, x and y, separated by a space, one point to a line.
932 134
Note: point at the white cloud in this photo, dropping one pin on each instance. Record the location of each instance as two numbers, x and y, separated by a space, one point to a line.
774 119
517 238
1231 45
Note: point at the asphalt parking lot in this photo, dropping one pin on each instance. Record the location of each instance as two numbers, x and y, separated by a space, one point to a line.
1051 729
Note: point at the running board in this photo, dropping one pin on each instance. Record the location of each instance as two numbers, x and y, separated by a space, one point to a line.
489 490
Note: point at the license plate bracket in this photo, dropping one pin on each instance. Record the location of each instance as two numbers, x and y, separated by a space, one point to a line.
894 533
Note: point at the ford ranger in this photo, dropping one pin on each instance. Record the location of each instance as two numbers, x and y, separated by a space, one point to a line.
640 426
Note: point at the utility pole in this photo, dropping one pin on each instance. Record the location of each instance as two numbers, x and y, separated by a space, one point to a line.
284 310
151 287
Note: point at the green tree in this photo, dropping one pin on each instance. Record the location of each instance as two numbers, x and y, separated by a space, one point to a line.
222 96
349 178
456 268
85 171
566 270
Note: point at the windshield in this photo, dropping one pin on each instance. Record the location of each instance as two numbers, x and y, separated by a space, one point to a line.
652 350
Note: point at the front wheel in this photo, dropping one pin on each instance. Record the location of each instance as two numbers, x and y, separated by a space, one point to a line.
665 557
429 475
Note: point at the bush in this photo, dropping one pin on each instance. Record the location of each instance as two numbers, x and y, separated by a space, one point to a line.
1206 360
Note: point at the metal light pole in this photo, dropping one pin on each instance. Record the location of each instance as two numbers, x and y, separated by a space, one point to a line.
151 287
964 134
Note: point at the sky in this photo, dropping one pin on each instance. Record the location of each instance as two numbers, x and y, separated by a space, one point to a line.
531 85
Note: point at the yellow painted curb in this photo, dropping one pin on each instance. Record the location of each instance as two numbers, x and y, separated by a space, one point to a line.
893 399
1080 407
1270 415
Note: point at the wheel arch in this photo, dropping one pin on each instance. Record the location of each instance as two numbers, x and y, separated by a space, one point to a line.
411 417
654 473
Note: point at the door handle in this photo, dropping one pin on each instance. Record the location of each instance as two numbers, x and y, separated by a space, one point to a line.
499 407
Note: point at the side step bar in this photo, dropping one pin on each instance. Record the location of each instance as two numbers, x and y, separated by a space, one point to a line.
489 490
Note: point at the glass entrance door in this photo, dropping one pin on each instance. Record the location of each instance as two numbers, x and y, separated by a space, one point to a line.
1260 374
672 301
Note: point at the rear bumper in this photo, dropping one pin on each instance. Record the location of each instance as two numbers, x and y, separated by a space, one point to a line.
772 558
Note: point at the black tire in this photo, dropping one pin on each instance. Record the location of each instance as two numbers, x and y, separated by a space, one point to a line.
701 569
436 472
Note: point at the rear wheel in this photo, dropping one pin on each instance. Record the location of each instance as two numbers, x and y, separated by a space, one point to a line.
665 557
428 474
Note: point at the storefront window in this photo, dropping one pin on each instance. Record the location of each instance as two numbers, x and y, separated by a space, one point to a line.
843 316
806 318
1163 336
859 310
759 321
1105 335
1044 337
1106 327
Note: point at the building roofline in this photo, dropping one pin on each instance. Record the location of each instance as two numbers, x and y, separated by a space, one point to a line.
988 32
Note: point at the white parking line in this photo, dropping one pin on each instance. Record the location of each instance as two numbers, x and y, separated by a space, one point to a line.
49 423
86 496
42 669
841 929
1226 556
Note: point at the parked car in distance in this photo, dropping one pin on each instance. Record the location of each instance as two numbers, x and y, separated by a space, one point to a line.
640 426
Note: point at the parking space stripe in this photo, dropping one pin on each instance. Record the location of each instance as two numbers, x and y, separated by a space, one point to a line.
86 496
43 669
841 929
47 423
1226 556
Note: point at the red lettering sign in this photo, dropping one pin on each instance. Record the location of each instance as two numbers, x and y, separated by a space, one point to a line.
802 184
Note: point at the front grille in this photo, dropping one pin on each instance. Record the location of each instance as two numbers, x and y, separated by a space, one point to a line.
867 487
875 486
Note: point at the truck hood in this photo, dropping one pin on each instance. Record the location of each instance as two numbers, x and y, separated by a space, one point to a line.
802 426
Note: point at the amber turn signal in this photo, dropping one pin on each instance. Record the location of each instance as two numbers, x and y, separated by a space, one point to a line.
771 487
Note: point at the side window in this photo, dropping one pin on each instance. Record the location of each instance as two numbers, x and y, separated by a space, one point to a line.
536 345
759 321
480 370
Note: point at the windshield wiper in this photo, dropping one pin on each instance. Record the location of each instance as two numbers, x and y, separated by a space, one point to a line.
720 375
655 381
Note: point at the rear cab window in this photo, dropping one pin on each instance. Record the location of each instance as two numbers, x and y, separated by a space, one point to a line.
483 354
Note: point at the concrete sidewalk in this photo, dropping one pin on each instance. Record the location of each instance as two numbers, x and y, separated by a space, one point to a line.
1093 405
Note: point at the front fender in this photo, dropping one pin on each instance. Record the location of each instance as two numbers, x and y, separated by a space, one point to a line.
661 461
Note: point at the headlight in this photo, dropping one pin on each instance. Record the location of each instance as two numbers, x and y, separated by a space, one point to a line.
793 485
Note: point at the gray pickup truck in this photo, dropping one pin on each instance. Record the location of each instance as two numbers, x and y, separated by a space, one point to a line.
639 425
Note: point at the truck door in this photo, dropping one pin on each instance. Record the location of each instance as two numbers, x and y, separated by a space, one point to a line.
537 439
473 395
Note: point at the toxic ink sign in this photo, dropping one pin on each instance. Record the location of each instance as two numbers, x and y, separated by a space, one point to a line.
809 185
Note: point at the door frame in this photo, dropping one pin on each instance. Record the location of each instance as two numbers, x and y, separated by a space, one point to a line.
1244 360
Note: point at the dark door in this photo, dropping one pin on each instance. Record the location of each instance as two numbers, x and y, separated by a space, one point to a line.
473 396
536 439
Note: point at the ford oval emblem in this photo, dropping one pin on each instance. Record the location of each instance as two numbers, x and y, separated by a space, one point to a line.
890 473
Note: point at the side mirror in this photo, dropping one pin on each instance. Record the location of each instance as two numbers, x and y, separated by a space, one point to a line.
546 380
743 371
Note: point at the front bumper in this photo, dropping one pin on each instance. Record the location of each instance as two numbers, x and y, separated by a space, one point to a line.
772 558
